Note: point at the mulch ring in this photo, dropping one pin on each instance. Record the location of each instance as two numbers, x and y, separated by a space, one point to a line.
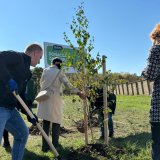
33 130
101 149
95 149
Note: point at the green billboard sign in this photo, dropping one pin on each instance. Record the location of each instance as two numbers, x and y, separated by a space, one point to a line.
52 50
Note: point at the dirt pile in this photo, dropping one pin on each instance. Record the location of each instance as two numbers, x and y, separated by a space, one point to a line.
94 122
88 152
33 130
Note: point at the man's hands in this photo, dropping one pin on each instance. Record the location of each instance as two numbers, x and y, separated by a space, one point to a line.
32 120
12 85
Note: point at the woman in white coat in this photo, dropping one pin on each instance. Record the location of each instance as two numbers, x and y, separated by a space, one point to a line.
51 110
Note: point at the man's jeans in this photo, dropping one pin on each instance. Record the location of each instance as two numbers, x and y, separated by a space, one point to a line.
155 130
13 122
110 123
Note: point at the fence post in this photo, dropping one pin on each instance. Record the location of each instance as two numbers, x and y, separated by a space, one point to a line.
116 90
122 88
142 87
132 88
119 89
127 88
137 89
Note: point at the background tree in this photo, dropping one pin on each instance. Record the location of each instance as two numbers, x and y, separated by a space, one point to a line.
123 77
36 74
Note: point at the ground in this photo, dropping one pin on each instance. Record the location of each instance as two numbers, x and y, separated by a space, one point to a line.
131 140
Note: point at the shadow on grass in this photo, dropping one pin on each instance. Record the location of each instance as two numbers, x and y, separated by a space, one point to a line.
140 139
32 156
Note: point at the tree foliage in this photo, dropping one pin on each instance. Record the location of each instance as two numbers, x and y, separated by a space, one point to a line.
118 78
87 66
36 74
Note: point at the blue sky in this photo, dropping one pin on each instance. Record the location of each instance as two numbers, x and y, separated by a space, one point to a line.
120 28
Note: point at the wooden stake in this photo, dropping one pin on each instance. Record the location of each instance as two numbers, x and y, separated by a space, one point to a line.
105 112
85 108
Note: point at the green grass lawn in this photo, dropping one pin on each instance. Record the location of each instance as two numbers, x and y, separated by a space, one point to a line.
132 140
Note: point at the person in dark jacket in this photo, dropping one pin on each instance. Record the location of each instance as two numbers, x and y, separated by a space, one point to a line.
29 98
97 104
14 75
111 103
152 73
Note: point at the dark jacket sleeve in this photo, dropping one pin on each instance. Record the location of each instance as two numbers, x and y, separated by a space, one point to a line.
6 59
112 102
152 70
23 96
19 106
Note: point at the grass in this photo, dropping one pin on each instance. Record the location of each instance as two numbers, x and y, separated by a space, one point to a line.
132 138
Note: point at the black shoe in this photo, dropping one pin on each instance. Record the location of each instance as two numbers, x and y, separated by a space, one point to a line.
101 138
111 134
7 146
45 149
59 148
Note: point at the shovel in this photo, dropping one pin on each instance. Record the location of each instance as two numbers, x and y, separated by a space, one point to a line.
56 155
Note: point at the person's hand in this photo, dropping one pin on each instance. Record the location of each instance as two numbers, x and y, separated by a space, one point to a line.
82 95
12 85
32 120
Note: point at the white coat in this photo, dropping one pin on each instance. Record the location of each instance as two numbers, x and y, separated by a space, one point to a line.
52 108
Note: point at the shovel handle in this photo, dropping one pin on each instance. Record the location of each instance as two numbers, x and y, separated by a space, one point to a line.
37 124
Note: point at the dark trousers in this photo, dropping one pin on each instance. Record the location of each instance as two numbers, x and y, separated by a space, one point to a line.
155 130
6 137
55 134
110 123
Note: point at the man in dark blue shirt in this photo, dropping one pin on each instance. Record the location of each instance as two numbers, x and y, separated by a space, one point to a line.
14 75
